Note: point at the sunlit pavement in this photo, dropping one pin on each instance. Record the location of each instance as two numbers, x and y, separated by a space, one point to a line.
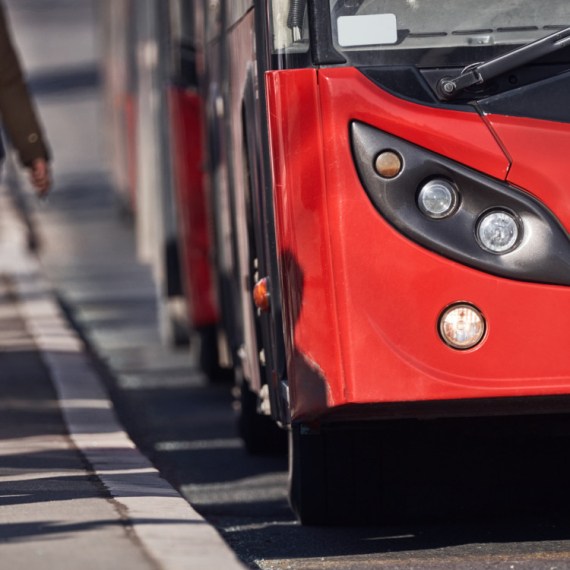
70 478
55 510
53 513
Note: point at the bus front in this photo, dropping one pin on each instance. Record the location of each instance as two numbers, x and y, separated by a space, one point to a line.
422 218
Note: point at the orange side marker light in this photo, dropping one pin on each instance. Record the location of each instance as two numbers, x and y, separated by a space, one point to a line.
388 164
261 295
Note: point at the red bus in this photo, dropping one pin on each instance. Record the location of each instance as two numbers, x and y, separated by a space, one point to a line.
189 156
399 182
385 196
155 146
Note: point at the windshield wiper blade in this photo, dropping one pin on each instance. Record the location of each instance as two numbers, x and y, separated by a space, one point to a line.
449 87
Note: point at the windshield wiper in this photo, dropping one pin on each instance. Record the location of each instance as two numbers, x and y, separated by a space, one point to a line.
449 87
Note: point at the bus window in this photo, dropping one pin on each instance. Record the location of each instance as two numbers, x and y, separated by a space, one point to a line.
182 38
385 30
290 29
182 22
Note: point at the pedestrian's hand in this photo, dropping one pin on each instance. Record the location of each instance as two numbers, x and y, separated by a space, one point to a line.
40 176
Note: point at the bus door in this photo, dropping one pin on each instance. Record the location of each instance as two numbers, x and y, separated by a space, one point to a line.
241 78
261 352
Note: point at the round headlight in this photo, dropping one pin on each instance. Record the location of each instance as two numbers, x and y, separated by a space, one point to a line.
437 199
498 232
462 326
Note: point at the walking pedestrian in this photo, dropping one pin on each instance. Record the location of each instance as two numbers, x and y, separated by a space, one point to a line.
18 115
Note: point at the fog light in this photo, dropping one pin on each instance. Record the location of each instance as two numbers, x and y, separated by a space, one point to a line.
498 232
462 326
437 199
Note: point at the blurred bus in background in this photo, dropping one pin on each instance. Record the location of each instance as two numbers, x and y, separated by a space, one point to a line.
373 227
155 141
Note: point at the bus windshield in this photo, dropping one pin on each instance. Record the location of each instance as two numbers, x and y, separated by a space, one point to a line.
389 25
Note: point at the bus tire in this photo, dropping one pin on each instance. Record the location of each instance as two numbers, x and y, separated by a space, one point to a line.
261 434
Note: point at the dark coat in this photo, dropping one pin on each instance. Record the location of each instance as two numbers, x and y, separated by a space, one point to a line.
18 115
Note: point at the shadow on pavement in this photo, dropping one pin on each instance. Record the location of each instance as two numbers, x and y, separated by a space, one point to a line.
32 531
274 542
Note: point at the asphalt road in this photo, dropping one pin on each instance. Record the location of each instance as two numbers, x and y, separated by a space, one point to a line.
486 494
488 500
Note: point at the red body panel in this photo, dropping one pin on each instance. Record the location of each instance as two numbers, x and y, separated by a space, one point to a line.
361 301
314 363
186 118
347 94
539 153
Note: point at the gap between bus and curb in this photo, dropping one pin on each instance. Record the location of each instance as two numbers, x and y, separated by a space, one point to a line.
166 526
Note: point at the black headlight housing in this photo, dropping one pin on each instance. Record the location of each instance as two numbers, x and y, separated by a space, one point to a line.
541 252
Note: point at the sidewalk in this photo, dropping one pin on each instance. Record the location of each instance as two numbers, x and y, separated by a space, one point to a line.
74 490
63 496
53 512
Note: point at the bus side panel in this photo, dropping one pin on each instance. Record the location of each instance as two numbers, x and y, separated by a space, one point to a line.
391 292
242 53
310 320
186 119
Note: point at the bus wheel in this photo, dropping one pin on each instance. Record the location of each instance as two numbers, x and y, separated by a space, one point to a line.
260 433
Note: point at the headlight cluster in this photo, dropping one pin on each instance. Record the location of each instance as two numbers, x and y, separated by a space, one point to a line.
497 231
463 215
